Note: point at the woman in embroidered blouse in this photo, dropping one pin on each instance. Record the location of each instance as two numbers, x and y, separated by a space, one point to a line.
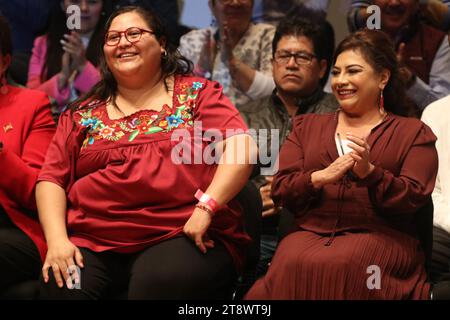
131 214
63 62
355 198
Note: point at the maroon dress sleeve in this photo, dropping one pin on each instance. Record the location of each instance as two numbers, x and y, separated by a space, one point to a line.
292 187
23 169
59 166
409 190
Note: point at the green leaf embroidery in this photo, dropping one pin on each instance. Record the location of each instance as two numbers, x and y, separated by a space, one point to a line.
133 135
154 130
179 111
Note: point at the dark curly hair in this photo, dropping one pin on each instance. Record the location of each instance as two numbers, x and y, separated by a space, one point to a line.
378 50
171 64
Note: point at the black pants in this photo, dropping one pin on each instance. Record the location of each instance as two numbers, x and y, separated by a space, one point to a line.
19 257
173 269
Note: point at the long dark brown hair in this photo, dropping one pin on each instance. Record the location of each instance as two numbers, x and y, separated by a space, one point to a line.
171 64
57 29
378 50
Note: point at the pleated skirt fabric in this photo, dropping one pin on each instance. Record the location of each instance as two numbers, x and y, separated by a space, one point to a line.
357 266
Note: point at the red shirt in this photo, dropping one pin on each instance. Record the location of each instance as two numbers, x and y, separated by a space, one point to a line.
26 129
124 190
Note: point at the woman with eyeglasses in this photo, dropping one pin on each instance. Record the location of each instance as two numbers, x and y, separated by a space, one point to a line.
142 213
236 52
64 61
357 181
26 129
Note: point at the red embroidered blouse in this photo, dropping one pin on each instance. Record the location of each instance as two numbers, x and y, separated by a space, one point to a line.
124 190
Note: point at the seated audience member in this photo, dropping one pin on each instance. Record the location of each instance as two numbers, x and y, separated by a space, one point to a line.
423 51
236 53
269 11
64 62
436 116
135 215
26 129
302 53
354 179
434 12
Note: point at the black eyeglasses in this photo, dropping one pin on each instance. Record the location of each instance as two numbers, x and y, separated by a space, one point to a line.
283 57
133 34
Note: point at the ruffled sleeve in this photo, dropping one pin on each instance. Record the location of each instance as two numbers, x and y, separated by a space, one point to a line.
59 166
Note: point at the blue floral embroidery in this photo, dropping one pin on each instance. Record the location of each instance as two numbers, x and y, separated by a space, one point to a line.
197 85
174 121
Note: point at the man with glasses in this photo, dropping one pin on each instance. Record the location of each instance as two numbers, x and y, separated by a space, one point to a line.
236 53
302 52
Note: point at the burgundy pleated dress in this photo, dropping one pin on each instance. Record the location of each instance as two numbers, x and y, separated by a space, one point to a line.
126 187
354 231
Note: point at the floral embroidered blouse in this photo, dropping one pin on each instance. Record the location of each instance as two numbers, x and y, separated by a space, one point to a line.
126 190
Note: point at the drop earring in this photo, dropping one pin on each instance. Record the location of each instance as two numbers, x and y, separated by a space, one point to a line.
381 103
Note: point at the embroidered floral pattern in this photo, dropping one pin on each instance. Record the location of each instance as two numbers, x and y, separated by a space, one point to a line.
166 120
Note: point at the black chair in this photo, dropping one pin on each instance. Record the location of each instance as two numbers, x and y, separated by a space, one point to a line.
251 202
424 229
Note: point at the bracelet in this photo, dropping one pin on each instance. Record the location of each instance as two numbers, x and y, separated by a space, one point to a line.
206 199
203 207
